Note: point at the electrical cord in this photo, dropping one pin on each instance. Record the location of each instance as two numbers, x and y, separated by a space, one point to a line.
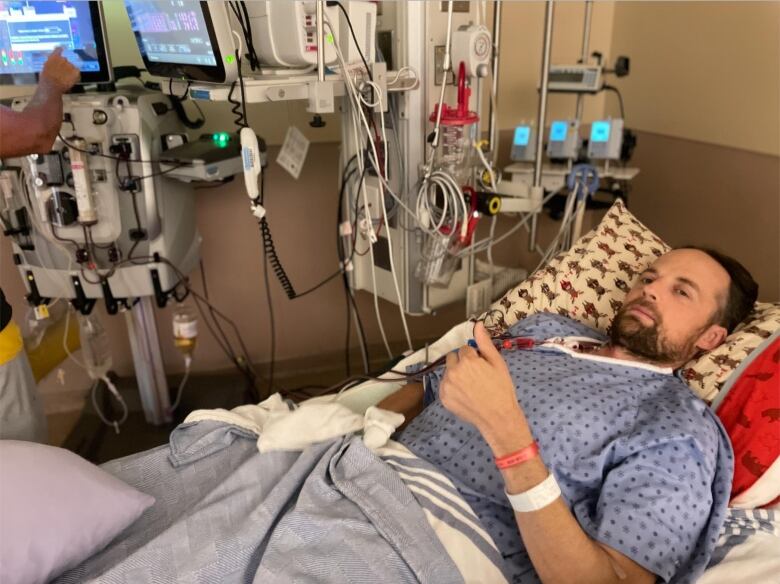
244 367
616 91
349 297
354 37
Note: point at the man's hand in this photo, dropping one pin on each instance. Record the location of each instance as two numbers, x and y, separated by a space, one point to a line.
58 74
477 388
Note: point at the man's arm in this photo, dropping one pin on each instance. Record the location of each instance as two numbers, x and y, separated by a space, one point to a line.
34 130
477 387
407 401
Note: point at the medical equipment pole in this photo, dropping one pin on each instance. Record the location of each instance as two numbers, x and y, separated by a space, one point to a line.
537 184
147 359
493 126
320 40
585 48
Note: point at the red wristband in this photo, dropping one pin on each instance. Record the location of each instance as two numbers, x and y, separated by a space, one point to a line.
518 457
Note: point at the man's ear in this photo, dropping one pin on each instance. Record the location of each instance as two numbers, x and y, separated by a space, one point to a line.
712 337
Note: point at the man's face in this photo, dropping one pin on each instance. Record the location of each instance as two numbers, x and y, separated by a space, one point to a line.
668 315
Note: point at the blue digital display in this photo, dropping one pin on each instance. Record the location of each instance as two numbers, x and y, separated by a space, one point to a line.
599 131
558 131
522 135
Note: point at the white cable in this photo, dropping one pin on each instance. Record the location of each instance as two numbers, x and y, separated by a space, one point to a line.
240 45
65 341
486 164
493 222
387 229
357 101
117 396
182 383
401 71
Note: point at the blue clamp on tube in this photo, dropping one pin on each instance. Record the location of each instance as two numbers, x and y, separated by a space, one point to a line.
585 174
472 343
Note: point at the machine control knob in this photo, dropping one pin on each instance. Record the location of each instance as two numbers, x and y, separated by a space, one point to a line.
482 70
99 117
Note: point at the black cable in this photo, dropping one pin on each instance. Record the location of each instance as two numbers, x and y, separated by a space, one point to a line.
102 155
179 97
254 59
228 347
619 96
271 320
235 109
347 175
354 38
246 368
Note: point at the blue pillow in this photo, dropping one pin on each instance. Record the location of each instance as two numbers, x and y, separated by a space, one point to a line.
56 510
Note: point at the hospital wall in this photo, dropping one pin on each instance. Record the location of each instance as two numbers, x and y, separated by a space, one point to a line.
704 95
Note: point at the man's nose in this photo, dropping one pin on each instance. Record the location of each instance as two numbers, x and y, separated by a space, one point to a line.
650 291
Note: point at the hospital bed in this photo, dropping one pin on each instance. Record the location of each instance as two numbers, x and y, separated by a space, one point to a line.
204 481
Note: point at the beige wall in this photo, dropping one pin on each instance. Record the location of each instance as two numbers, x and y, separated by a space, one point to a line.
705 93
690 192
522 32
706 71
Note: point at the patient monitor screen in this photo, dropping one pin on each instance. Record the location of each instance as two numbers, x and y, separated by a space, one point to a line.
30 31
171 31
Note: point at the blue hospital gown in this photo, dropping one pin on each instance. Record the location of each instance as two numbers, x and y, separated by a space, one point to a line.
643 463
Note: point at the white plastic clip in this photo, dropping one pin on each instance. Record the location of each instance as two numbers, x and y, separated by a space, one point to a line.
257 210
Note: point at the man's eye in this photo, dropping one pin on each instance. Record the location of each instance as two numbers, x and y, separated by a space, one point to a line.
646 280
682 292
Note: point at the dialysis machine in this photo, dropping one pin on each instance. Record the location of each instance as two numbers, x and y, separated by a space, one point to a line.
94 218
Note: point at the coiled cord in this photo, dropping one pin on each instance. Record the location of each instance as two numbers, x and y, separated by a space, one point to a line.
273 259
237 108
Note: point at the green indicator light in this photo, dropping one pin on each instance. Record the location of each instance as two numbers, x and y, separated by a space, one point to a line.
229 59
221 139
329 38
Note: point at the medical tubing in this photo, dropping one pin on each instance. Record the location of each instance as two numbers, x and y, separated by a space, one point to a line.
182 383
117 396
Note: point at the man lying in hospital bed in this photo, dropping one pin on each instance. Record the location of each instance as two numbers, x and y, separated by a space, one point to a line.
607 424
643 465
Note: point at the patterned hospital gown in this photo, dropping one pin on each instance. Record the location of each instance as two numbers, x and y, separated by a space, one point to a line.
643 463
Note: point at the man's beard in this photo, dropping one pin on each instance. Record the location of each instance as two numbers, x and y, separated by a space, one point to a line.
647 341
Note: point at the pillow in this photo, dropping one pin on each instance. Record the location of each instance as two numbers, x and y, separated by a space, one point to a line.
750 412
707 374
56 510
589 282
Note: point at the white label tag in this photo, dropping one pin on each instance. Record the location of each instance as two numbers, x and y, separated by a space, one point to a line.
185 330
292 156
41 312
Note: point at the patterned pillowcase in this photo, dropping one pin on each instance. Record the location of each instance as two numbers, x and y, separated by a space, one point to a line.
589 282
707 374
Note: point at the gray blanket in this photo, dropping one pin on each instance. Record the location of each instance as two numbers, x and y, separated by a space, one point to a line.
226 513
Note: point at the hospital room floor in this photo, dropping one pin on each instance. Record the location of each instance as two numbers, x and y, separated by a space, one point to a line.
84 433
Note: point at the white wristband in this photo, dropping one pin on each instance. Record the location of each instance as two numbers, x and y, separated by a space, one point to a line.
536 498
